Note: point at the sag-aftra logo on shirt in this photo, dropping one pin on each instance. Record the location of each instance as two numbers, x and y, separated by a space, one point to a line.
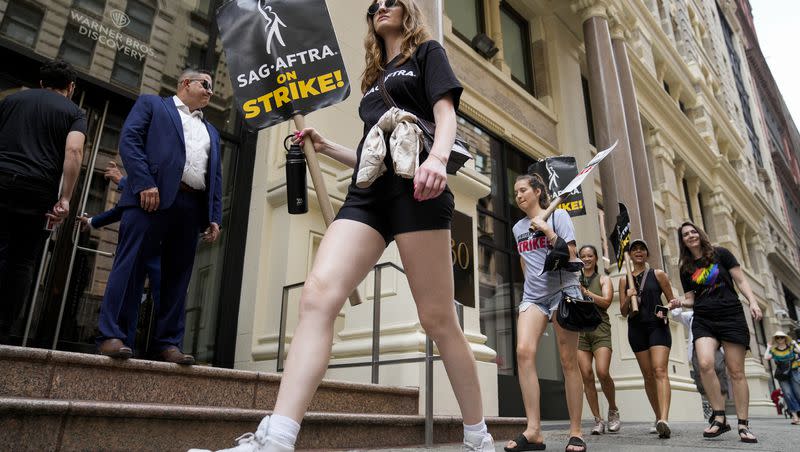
397 73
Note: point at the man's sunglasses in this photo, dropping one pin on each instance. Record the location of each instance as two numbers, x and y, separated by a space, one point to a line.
203 82
373 8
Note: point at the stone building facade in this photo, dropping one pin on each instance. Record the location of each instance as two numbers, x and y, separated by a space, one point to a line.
676 90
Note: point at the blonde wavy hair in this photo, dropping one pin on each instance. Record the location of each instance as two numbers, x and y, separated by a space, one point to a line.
414 34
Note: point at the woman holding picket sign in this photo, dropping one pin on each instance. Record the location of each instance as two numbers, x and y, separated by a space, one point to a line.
648 331
544 290
415 212
708 274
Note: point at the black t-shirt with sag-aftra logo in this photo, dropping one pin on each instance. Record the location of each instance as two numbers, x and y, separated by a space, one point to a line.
415 85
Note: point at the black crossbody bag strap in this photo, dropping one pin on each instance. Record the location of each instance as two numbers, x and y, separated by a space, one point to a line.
387 99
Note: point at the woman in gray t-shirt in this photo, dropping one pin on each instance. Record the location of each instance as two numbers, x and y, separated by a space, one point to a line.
540 299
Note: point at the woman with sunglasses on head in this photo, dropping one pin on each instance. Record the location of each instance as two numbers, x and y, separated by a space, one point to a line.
648 331
785 353
416 213
541 296
596 345
708 274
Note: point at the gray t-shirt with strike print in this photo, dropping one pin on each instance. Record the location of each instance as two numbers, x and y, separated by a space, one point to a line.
533 248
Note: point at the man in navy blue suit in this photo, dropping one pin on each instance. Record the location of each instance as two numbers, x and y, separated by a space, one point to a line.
153 264
173 193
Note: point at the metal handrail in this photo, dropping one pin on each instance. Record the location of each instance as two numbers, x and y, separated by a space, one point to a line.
375 362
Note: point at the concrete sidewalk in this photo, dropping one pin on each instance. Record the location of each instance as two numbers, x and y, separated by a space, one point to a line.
774 434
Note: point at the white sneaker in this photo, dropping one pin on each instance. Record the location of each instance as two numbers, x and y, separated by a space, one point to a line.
613 421
250 442
599 426
478 442
653 429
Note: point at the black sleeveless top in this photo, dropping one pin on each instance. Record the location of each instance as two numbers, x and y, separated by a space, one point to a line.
650 297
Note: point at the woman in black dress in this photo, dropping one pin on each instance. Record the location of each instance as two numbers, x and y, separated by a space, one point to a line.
708 274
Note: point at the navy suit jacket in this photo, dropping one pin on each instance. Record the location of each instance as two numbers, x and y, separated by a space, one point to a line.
153 151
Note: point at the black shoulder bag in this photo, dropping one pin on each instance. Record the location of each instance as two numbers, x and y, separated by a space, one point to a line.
577 314
459 154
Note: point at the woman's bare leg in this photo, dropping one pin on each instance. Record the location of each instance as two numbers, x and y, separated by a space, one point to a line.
659 359
429 269
734 362
602 363
646 366
324 293
705 348
585 365
573 386
530 326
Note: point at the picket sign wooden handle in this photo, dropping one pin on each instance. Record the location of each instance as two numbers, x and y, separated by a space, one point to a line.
319 185
551 208
629 274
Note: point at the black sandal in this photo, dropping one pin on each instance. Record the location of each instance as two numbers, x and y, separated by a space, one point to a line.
575 441
744 430
523 444
722 427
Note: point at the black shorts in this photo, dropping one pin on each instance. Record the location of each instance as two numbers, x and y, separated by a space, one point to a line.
642 336
728 328
389 207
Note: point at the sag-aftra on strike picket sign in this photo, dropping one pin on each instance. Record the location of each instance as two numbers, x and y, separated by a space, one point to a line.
283 58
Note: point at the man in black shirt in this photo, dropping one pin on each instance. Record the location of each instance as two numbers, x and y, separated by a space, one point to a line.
42 133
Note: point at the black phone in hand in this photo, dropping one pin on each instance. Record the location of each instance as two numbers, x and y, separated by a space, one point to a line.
662 309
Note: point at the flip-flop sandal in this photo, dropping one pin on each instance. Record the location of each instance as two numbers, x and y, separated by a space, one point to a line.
744 430
575 441
523 444
722 427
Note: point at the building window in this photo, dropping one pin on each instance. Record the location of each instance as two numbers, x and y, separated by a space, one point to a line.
466 16
141 16
196 58
127 71
95 7
688 199
22 22
76 48
744 98
516 46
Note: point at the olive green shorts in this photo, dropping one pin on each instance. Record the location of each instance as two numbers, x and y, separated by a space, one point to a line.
599 338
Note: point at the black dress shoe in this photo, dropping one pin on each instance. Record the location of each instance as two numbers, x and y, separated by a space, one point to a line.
114 348
175 355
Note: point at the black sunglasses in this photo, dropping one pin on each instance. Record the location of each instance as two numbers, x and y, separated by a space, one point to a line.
203 82
373 8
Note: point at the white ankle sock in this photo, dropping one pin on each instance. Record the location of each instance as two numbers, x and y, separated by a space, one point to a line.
283 429
479 427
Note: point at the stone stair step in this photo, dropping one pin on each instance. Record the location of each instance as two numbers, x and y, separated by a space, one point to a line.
46 374
48 424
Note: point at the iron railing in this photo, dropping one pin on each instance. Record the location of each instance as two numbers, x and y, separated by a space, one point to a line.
375 362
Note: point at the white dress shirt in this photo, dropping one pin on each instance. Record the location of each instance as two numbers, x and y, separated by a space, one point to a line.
198 144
